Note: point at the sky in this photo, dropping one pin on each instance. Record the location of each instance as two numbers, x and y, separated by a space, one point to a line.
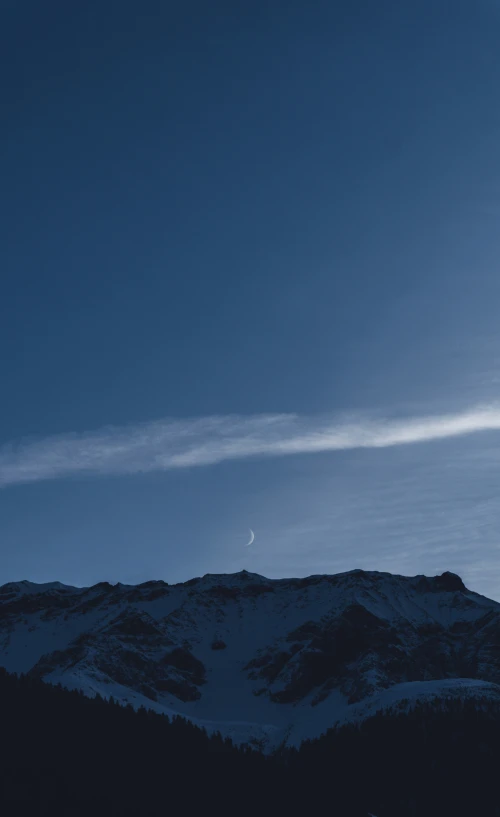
249 279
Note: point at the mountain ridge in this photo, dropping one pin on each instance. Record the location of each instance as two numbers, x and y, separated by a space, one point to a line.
261 660
47 586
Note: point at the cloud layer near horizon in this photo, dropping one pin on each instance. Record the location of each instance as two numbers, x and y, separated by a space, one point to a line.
169 444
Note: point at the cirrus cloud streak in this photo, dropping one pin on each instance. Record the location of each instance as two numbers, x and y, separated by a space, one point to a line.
169 444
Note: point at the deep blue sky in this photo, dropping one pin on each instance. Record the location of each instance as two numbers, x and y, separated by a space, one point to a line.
235 208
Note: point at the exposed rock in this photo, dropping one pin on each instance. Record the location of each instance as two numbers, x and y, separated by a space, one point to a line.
450 583
185 662
218 644
134 624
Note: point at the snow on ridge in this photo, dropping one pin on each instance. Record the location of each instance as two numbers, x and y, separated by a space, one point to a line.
403 696
27 587
356 576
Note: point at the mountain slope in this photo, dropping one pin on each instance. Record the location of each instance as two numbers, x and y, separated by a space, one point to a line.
262 660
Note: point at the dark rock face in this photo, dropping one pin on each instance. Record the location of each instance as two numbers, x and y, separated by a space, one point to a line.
154 583
60 659
134 625
450 583
181 689
218 644
320 653
178 672
192 582
185 662
14 605
223 593
106 586
446 583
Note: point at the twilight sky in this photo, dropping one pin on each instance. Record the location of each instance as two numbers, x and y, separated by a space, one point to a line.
249 278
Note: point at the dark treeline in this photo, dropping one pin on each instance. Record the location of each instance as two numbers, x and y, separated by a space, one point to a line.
65 754
436 760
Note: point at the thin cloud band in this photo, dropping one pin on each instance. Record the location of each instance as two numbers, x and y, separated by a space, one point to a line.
170 444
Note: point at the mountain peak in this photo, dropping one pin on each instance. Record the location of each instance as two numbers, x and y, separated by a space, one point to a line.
450 582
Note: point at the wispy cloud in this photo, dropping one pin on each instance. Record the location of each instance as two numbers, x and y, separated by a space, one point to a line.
169 444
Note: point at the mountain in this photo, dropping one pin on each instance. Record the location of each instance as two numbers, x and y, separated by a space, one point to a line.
263 661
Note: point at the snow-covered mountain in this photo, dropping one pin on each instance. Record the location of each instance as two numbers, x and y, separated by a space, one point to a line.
261 660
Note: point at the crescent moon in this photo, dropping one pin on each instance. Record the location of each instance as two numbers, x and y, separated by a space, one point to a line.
252 537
